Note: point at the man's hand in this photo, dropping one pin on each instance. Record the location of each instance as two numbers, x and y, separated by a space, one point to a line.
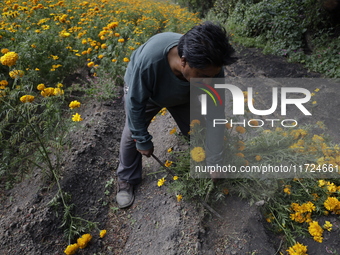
146 152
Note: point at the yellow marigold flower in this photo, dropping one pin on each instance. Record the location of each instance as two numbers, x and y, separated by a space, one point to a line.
102 233
298 133
58 92
321 183
172 131
114 60
71 249
287 189
240 129
328 226
179 198
161 182
100 56
84 240
3 83
228 126
41 86
74 104
4 50
170 149
16 74
47 92
332 204
317 139
253 123
197 154
77 117
241 155
103 46
316 231
112 25
258 157
168 163
297 249
195 122
9 59
64 34
27 99
175 178
126 59
317 90
121 40
90 64
117 34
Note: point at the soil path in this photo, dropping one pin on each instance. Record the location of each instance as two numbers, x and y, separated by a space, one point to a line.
156 223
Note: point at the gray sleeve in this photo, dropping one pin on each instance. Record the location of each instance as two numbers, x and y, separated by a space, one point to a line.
139 91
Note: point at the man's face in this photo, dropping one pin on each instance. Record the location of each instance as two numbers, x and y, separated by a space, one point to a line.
191 72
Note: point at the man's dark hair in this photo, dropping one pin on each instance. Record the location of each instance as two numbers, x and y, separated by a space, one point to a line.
205 45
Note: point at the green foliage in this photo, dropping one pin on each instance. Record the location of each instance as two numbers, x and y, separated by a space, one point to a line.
200 6
298 30
100 88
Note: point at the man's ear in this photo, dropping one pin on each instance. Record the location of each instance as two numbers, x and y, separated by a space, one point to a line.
183 61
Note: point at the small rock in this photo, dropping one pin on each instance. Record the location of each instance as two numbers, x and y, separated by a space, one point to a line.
259 203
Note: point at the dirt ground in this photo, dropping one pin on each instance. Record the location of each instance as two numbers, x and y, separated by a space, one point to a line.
156 223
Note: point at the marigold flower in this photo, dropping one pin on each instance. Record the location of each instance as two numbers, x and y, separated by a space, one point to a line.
41 86
71 249
228 126
27 99
161 182
3 83
47 92
332 204
4 50
74 104
84 240
77 117
328 226
198 154
121 40
175 178
16 74
287 189
126 59
58 92
9 59
179 198
170 149
112 25
100 56
253 123
195 122
168 163
297 249
90 64
102 233
241 155
258 157
172 131
240 129
316 231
